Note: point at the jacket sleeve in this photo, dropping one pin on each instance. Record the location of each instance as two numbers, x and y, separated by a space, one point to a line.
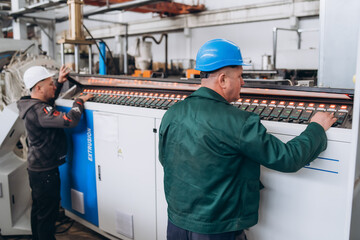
271 152
58 88
49 117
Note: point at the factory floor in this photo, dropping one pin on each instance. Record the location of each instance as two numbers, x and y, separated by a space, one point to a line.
67 229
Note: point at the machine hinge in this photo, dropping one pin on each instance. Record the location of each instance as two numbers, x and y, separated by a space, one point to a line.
154 130
99 172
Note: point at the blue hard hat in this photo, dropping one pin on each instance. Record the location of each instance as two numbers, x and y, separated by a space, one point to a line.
218 53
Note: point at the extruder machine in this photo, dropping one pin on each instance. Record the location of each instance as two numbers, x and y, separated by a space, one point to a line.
113 181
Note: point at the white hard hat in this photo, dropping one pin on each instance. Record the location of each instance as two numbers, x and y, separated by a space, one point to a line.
35 74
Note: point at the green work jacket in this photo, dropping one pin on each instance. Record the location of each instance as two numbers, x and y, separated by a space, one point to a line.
211 153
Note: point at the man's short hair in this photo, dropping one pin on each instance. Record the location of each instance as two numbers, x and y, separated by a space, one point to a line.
207 74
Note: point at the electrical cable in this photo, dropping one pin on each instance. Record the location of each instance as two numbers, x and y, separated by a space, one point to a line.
28 48
66 229
62 220
103 57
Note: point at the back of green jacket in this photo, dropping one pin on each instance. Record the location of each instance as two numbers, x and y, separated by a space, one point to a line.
211 152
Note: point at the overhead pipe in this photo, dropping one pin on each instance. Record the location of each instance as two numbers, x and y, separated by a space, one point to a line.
126 67
158 42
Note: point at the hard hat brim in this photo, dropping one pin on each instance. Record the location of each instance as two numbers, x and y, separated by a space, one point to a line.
220 64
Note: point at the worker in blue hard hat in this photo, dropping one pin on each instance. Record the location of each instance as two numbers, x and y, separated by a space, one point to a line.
211 152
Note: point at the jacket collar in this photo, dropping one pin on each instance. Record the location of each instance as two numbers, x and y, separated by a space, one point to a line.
205 92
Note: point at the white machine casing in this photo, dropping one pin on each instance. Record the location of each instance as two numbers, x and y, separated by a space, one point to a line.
15 196
314 203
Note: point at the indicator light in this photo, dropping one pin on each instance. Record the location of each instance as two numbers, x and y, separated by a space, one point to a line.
247 100
344 107
256 101
264 101
291 103
272 102
282 103
332 106
301 104
322 105
311 105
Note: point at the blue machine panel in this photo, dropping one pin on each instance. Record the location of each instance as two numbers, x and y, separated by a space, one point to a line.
78 172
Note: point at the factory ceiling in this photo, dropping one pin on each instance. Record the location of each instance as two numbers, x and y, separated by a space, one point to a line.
168 8
161 7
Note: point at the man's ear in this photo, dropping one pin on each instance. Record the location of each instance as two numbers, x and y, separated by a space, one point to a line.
37 88
222 80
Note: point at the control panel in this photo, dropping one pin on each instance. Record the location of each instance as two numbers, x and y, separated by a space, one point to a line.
291 105
295 111
136 99
268 109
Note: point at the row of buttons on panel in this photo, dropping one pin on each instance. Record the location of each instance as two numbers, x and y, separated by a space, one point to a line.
138 99
298 112
287 111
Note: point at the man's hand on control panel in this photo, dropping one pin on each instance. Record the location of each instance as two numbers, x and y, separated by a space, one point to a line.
325 119
86 97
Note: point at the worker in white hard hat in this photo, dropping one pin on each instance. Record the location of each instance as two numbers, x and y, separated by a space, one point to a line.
211 152
47 147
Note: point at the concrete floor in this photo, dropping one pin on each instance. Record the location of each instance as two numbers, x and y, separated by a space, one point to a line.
76 231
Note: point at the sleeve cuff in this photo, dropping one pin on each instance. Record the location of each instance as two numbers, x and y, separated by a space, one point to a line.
319 133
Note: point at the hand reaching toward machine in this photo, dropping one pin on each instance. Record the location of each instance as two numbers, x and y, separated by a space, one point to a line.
325 119
64 71
86 97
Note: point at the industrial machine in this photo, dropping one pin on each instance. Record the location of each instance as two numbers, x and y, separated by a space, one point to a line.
113 181
15 200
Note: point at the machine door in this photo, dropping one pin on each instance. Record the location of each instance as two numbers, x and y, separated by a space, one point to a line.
125 160
313 203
